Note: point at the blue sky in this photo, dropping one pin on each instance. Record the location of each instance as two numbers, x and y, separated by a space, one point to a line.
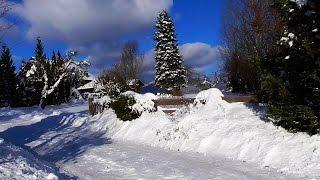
98 29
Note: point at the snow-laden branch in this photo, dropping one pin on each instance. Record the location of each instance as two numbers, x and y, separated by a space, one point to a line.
46 90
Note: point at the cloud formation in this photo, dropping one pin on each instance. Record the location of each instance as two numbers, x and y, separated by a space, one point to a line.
92 26
199 56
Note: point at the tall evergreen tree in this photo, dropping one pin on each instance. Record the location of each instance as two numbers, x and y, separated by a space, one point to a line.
39 50
8 79
170 73
292 81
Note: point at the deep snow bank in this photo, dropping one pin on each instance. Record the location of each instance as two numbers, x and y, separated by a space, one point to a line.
213 126
16 163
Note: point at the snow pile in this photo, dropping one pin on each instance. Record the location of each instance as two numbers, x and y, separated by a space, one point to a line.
16 163
103 101
143 103
215 127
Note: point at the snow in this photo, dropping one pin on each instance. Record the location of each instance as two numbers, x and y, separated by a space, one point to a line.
232 130
121 160
17 163
31 71
81 145
89 85
143 101
209 139
103 101
290 43
300 3
90 76
291 35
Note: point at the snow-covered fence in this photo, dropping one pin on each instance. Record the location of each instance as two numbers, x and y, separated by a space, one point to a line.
240 98
95 107
173 101
169 105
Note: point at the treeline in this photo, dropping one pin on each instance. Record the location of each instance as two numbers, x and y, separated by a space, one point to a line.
41 80
273 51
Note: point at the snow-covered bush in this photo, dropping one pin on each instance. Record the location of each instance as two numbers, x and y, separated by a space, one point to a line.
108 87
143 102
209 97
122 106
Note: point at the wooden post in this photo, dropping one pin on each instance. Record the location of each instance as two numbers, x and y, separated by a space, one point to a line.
91 106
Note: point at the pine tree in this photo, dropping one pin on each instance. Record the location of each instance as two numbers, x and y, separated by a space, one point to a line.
32 74
292 81
39 50
170 73
8 79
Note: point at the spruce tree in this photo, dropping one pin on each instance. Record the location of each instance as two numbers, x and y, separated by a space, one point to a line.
292 81
8 79
170 73
32 73
39 50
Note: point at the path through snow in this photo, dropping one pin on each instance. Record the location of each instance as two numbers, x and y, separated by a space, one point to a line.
121 160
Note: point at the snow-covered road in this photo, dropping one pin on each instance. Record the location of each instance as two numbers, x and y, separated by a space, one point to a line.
120 160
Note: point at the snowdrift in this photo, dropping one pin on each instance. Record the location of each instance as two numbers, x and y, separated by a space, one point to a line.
16 163
214 127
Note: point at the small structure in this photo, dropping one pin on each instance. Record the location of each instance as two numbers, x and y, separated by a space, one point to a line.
88 86
135 85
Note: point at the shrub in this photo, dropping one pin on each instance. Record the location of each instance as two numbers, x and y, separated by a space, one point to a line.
122 107
285 110
295 118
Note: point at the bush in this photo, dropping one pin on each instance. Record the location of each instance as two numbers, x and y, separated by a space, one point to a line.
122 107
295 118
285 110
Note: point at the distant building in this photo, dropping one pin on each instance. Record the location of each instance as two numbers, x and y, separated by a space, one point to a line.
88 86
135 85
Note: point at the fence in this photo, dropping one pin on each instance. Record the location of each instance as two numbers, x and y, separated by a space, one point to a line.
96 108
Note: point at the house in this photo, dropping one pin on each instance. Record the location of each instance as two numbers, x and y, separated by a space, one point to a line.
88 86
135 85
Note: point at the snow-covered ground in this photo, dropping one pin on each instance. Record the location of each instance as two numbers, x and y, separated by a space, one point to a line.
80 145
123 160
17 163
215 140
235 130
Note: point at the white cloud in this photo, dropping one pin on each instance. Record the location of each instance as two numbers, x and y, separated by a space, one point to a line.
92 26
200 56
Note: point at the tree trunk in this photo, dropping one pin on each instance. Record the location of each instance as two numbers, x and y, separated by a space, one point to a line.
42 104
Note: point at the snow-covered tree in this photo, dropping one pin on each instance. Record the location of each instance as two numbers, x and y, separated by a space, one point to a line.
71 70
31 76
45 81
170 72
292 81
8 83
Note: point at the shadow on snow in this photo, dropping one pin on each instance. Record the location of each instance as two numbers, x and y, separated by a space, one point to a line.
54 138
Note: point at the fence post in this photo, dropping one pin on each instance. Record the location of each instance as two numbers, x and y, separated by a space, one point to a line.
91 106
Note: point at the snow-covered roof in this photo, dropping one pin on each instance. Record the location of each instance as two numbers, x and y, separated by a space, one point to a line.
90 77
89 85
133 82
